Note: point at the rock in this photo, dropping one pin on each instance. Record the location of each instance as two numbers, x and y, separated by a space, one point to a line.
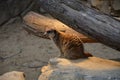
111 7
92 68
14 75
13 8
102 5
116 8
4 13
34 64
116 4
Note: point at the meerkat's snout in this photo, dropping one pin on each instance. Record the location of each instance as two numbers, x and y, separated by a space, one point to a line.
45 33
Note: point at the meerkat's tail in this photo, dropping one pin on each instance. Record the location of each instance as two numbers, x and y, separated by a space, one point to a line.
88 54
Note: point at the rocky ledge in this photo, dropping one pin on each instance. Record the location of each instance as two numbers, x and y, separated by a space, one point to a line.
92 68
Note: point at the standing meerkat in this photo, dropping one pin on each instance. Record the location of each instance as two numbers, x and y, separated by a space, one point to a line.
70 45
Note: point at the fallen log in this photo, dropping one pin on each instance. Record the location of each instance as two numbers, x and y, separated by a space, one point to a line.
37 23
83 19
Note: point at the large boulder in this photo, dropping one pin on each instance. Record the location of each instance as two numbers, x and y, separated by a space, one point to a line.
14 75
92 68
13 8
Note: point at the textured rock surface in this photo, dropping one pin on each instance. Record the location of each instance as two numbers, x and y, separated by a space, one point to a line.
12 8
14 75
111 7
92 68
102 5
116 4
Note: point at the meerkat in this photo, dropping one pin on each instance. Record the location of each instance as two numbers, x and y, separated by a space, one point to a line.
70 46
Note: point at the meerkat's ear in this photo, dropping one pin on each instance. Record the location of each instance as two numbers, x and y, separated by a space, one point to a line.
48 28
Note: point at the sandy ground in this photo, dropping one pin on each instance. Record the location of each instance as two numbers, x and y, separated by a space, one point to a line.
25 52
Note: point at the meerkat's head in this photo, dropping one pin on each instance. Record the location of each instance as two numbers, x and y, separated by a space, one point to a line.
50 33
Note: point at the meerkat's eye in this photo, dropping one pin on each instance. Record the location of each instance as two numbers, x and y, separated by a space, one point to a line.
49 32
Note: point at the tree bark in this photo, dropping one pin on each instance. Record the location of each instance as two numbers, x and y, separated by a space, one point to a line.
37 24
83 19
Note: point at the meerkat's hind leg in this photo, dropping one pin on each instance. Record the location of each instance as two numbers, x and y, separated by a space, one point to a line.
69 56
88 55
74 56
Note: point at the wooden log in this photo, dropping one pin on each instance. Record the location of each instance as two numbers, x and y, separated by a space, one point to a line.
37 24
83 19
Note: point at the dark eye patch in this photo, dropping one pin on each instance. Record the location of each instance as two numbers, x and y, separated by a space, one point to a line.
49 31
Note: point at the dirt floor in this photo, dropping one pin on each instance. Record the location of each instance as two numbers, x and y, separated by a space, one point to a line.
25 52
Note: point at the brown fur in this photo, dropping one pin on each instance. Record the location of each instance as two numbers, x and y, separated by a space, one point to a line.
71 47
